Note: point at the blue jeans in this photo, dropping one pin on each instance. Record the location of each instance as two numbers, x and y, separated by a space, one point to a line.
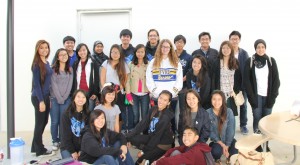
128 160
140 103
65 154
106 159
55 113
127 118
217 150
260 112
92 104
243 111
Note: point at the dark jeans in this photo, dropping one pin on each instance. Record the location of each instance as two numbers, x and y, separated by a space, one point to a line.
243 111
217 150
140 103
127 118
260 112
128 160
56 112
41 120
181 99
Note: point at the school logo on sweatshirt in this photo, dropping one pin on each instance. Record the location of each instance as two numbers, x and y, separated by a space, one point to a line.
164 74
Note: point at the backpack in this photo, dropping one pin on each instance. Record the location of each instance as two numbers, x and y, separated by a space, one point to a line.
253 57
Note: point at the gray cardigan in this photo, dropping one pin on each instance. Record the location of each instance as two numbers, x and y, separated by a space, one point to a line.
61 85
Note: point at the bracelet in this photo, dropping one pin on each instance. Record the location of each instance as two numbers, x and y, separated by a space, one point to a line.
175 90
153 89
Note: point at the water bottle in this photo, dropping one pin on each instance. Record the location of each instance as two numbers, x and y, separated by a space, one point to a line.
16 151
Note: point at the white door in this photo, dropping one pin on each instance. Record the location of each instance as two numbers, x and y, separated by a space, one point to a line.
103 25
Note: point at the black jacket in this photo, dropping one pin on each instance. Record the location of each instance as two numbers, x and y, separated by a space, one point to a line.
202 123
250 83
205 89
211 56
69 141
162 134
92 149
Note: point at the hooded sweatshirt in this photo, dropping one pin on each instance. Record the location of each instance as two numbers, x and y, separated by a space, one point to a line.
92 148
189 155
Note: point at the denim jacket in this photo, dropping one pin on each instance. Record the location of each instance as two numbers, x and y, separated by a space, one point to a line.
228 130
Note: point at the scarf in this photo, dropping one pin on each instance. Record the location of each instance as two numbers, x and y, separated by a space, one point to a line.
260 61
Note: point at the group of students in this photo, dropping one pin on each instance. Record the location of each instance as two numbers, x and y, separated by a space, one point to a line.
126 82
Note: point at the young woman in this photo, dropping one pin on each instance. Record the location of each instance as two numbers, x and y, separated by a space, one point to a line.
72 121
85 74
98 141
160 136
198 79
261 80
109 107
136 90
165 72
194 116
222 127
41 81
227 75
61 84
115 70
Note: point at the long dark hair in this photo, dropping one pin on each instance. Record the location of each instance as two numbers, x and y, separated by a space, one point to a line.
187 118
56 64
37 61
88 51
223 110
155 108
135 60
203 71
72 107
93 116
120 66
232 64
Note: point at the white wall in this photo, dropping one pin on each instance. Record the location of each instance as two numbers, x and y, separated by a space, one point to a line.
275 21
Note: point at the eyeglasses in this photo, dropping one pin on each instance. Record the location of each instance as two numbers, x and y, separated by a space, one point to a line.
166 47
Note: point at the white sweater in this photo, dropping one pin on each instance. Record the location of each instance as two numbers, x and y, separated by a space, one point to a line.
166 77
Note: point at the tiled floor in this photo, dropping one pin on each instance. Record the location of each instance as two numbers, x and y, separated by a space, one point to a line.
282 152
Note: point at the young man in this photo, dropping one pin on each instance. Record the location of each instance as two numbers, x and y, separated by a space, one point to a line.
128 51
153 40
127 48
242 56
69 44
191 152
185 60
205 50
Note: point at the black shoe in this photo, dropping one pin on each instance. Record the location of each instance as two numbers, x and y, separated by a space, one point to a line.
46 154
268 149
259 149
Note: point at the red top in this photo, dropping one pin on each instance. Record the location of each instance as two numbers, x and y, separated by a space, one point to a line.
83 84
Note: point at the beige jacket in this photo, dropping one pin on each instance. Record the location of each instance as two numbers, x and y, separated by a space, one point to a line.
136 73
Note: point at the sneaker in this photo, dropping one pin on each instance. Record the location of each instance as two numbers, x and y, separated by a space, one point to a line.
257 131
46 154
244 130
55 146
218 162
